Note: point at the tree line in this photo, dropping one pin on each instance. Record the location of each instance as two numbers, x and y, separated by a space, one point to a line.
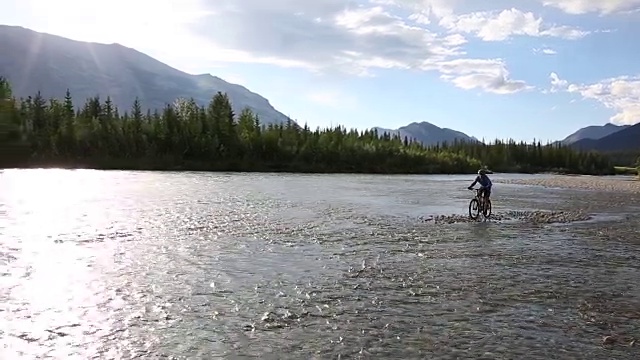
35 131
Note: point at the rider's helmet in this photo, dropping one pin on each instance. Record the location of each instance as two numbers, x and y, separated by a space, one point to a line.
482 172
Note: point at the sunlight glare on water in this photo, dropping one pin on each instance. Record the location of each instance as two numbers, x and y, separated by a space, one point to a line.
50 278
51 202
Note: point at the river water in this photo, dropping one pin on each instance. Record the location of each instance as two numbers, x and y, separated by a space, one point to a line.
161 265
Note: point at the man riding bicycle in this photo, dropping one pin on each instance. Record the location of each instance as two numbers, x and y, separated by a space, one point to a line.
485 185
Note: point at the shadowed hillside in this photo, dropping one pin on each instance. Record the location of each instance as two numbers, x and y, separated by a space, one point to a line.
50 64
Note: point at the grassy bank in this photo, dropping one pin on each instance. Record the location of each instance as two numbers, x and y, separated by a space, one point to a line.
625 170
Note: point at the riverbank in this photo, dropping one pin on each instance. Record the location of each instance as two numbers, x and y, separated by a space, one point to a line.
625 170
239 167
627 184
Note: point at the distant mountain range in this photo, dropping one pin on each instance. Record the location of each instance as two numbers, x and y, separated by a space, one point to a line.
608 138
34 61
620 143
427 133
626 139
593 132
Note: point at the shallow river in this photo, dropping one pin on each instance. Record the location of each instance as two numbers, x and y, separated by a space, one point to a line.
121 265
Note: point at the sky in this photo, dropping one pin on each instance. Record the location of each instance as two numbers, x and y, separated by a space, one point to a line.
521 69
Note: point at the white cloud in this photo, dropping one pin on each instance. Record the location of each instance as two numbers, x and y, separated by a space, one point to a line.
545 51
621 94
420 18
600 6
557 84
499 26
323 37
424 10
490 75
334 36
454 40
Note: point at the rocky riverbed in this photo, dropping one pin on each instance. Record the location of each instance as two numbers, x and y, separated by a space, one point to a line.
535 217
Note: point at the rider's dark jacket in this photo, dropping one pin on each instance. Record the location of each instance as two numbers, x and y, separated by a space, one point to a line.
483 180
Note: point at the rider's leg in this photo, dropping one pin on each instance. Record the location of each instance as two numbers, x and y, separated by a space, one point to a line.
487 194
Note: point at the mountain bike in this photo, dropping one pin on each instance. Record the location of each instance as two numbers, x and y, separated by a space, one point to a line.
475 206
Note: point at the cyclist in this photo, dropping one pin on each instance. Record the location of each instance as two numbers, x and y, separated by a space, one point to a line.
485 185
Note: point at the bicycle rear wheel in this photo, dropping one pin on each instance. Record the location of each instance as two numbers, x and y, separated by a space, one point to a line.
487 208
474 209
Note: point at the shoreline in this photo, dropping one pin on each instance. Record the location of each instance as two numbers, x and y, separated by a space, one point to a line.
257 170
271 168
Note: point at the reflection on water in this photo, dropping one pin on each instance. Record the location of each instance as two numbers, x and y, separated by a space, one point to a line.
98 264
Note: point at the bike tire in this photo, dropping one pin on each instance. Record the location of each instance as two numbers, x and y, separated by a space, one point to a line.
471 209
487 210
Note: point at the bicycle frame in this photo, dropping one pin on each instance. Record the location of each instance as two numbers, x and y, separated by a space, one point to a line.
478 196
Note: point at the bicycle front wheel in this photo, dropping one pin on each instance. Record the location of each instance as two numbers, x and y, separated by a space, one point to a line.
474 209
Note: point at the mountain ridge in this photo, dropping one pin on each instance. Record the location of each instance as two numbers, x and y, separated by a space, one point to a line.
91 69
627 139
593 132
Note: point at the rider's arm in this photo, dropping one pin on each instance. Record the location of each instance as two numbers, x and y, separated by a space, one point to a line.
475 181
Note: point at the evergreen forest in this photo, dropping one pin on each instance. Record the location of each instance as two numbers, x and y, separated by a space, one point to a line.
40 132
